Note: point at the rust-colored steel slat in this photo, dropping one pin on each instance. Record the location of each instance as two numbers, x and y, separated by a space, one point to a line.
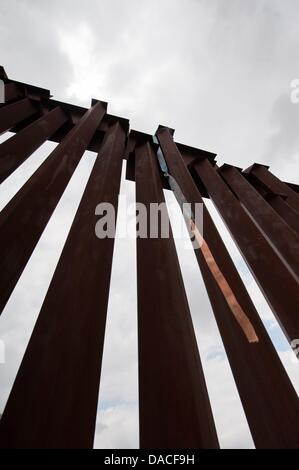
24 218
12 92
53 402
279 285
273 184
174 406
274 227
14 113
272 411
286 212
277 201
3 74
14 151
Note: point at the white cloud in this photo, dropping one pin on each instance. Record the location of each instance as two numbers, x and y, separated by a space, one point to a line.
117 428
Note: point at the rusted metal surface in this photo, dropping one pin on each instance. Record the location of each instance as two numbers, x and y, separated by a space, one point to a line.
53 402
12 92
14 113
45 103
231 300
274 227
277 201
3 74
255 365
189 154
174 405
24 218
14 151
286 212
294 187
274 184
265 264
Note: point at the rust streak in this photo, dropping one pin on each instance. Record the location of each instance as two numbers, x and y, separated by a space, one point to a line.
225 288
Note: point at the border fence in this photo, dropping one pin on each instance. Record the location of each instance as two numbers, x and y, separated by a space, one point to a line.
53 402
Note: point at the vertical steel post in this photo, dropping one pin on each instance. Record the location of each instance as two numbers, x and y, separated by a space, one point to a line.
279 285
286 212
14 113
53 402
277 201
24 218
174 405
14 151
271 409
273 184
273 226
12 92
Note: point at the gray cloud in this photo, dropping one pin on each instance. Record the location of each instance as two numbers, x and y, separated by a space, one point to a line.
283 145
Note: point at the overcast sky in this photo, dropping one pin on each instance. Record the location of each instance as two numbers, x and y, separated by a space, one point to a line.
220 73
